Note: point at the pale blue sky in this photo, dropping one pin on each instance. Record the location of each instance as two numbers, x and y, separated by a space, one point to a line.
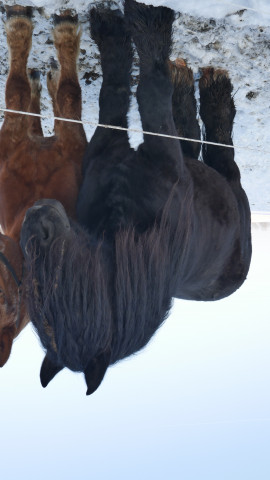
194 405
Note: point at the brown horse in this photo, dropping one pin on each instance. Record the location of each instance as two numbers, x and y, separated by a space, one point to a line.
31 166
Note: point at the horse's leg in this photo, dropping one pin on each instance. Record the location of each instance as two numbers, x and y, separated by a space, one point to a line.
34 123
184 107
107 147
217 111
151 29
18 90
53 76
64 86
109 32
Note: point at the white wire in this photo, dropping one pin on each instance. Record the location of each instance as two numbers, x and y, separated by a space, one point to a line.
133 130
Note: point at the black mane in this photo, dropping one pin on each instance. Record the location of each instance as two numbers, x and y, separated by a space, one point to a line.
59 286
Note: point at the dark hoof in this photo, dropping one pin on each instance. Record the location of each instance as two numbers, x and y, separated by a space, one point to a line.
18 11
154 15
69 16
34 74
53 64
216 102
144 16
106 23
211 76
151 29
54 69
216 87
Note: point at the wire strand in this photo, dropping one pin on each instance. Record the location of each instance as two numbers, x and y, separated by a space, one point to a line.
134 130
256 214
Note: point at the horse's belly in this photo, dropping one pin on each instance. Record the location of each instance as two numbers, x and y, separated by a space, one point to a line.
215 270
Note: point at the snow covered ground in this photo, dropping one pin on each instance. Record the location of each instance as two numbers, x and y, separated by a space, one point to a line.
222 34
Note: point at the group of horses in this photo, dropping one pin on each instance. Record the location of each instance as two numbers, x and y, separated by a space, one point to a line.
99 238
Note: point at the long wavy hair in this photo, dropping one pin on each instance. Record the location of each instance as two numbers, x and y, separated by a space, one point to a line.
86 294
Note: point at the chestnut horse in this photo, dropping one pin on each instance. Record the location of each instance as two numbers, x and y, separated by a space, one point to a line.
157 224
31 166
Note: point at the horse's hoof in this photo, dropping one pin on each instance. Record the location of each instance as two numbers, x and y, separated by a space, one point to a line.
53 64
106 23
69 16
217 80
34 77
211 75
216 101
18 11
34 74
180 62
53 73
180 73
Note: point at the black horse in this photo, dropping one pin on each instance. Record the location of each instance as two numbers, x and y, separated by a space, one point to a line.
154 223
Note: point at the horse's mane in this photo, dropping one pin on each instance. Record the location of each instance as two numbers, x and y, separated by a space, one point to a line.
148 268
86 295
67 299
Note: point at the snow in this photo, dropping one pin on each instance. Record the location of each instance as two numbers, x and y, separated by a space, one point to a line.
223 34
